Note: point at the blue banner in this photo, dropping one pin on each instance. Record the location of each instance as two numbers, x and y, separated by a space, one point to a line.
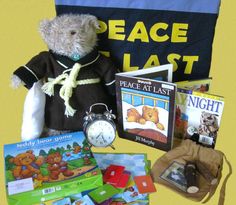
138 34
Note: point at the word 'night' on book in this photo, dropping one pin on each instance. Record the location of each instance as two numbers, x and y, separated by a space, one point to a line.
144 86
204 104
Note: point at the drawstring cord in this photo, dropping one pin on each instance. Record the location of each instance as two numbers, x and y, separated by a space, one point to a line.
67 88
68 82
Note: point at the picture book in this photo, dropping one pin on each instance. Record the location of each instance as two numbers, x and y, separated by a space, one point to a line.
48 168
146 106
62 201
198 115
201 85
85 200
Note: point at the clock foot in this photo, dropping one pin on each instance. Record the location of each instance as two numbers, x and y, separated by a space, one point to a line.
112 147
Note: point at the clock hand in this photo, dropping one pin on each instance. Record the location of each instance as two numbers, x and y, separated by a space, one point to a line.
103 138
99 135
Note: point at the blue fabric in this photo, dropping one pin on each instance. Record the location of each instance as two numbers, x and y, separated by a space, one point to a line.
198 6
188 28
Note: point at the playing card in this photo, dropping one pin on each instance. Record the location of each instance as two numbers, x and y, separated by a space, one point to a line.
103 193
144 184
122 183
113 174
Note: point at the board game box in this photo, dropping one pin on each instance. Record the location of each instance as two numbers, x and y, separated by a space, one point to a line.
48 168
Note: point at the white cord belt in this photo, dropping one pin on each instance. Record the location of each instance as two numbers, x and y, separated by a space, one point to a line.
68 82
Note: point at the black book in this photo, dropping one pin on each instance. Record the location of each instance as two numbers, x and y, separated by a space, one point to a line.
146 106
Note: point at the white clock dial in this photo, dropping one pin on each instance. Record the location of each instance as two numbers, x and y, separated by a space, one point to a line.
101 133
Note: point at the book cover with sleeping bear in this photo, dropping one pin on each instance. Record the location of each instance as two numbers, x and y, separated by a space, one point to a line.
48 168
146 106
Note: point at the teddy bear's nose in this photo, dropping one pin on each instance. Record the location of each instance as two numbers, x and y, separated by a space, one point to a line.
73 32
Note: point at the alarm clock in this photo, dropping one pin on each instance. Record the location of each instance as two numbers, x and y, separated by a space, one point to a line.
100 129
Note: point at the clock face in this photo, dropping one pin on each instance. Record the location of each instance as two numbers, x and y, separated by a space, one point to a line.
100 133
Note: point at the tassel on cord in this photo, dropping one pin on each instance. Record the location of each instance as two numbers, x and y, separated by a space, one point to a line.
48 87
66 90
69 111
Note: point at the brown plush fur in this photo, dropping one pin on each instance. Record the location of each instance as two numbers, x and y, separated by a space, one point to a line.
69 34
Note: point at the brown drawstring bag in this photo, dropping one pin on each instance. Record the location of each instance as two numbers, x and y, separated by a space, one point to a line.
190 151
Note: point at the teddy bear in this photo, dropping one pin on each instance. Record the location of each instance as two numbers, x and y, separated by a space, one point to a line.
56 166
134 116
74 74
148 114
28 166
208 124
77 149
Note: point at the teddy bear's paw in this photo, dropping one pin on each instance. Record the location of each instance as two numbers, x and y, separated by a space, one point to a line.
130 119
160 126
16 82
142 121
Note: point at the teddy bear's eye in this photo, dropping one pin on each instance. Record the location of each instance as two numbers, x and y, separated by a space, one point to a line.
72 32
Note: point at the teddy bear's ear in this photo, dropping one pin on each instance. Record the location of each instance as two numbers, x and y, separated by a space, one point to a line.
57 154
90 20
45 27
29 151
155 109
11 160
144 107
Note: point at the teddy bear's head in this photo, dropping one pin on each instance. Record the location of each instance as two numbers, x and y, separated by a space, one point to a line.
70 34
133 115
25 158
209 119
150 114
77 149
54 158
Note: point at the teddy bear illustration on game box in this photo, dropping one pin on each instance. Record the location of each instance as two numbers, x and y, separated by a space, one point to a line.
27 165
56 166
